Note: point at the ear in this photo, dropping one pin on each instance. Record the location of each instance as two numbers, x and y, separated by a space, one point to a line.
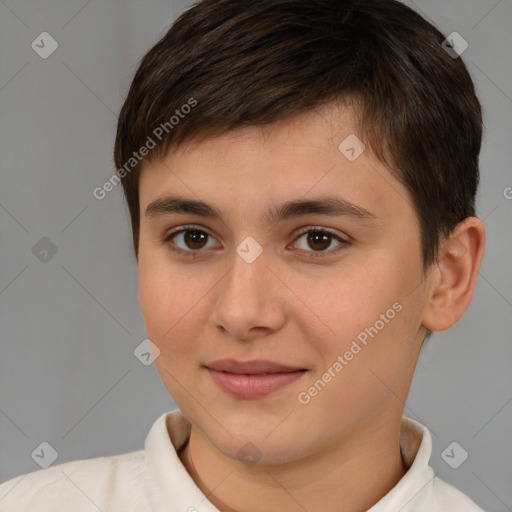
453 279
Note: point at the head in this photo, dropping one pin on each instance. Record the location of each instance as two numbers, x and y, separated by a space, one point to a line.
246 109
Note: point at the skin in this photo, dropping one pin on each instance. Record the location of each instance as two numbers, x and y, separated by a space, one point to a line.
341 450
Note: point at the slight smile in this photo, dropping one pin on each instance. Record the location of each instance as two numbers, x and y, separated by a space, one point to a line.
252 379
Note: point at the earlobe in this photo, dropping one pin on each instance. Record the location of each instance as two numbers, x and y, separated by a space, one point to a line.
460 257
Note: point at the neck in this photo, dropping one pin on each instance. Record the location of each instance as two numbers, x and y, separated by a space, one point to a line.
351 476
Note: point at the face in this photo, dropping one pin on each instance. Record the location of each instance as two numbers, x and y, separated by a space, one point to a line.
332 288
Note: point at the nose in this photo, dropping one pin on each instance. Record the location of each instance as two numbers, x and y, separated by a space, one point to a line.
250 300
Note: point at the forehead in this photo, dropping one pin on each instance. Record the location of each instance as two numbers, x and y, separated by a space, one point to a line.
254 167
315 127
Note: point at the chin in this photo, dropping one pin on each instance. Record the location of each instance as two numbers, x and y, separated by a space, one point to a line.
258 452
254 442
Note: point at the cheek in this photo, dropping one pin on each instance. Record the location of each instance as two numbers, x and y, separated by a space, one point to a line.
353 298
371 307
170 303
168 300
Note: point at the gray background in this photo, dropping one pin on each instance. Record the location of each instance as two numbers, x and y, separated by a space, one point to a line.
69 325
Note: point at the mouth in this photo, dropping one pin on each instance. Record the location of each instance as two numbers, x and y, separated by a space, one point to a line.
252 379
256 367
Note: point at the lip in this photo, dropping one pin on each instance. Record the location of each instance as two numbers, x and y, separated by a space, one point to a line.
255 367
252 379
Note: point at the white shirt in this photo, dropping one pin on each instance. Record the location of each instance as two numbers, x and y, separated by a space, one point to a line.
155 480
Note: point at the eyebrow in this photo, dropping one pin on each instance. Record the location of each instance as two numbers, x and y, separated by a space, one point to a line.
327 205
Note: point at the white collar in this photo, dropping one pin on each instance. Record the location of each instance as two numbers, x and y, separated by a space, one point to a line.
167 481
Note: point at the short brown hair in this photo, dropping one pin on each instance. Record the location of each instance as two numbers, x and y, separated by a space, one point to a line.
255 62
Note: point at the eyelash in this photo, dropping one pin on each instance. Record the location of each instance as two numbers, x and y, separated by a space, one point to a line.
195 253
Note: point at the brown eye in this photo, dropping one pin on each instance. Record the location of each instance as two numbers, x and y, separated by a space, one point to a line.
188 239
317 241
195 239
